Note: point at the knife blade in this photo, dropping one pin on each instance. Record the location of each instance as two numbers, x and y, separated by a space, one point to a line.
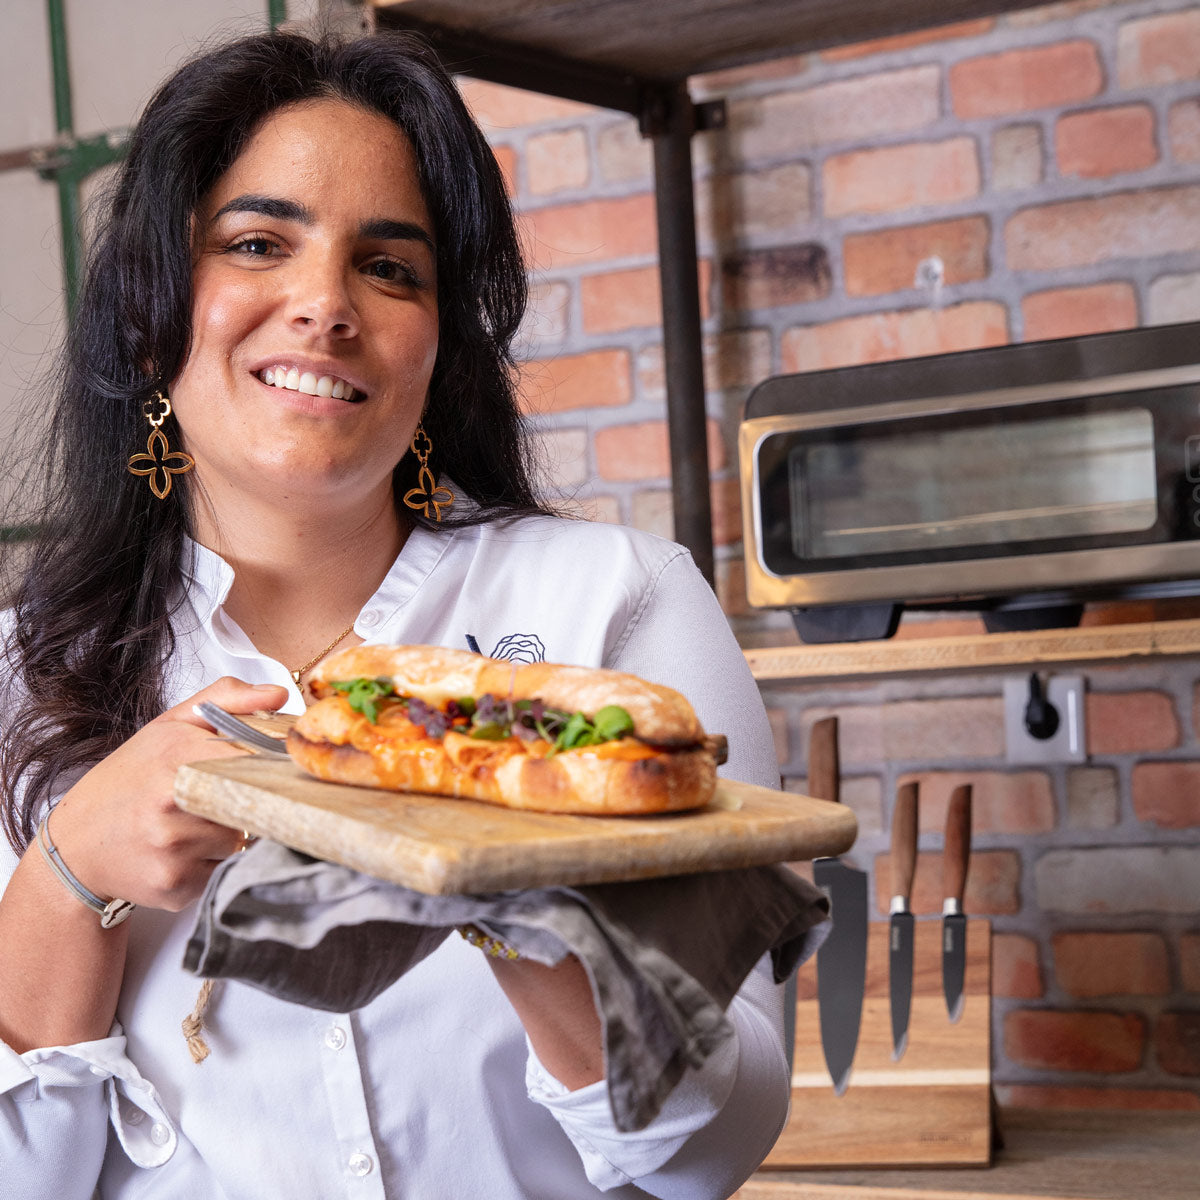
842 959
900 931
956 858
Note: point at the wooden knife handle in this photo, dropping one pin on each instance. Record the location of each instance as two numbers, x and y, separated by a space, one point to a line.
823 766
904 840
958 843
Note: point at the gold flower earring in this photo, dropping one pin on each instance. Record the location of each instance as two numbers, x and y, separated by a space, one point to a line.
159 462
427 494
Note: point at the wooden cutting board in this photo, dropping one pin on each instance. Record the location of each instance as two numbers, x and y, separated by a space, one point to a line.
442 846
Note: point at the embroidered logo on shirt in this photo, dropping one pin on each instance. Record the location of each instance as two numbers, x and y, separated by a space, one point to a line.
520 648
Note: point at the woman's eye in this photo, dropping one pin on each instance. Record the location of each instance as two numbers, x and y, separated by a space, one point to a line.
255 246
391 271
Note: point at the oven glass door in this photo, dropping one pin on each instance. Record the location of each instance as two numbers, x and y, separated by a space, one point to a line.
1035 478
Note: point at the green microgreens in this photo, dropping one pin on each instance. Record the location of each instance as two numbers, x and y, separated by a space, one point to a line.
363 694
492 718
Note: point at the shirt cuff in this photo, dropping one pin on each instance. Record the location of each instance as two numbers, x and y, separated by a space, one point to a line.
136 1111
612 1158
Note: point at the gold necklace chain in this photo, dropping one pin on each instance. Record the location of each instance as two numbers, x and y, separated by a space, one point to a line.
312 662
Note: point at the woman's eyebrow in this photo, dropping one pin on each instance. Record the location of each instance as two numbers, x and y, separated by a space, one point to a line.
386 230
266 206
378 228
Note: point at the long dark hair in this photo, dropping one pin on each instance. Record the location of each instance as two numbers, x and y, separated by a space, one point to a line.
91 627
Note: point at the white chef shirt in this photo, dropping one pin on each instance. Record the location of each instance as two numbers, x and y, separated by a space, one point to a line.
430 1091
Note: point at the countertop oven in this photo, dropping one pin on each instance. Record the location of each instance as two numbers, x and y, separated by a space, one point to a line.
1018 480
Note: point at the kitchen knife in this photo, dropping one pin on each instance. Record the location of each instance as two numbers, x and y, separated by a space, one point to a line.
900 931
842 959
955 858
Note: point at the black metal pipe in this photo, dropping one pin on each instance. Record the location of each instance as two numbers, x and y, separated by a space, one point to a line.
671 123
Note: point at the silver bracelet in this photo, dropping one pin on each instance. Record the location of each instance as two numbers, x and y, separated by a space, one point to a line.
112 912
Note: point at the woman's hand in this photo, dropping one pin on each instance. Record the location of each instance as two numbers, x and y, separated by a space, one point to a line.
119 830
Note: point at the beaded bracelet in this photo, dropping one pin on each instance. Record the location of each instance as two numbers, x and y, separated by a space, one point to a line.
112 912
489 945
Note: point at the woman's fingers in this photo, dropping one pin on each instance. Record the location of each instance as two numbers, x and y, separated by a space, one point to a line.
232 695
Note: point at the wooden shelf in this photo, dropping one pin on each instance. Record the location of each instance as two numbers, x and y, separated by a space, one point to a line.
1047 1155
1095 644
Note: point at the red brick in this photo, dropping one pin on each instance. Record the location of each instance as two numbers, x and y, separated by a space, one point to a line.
742 205
1108 141
631 299
1073 311
1177 1042
563 454
506 156
641 451
1077 233
1111 964
1046 14
1119 879
993 883
1093 797
735 358
886 260
778 717
1167 794
599 378
871 734
1189 961
890 178
1016 157
1016 967
506 108
1055 1040
1159 49
1130 722
909 41
1029 1095
653 511
591 231
776 277
845 110
720 82
1024 79
1001 801
556 161
622 153
878 337
731 586
1183 130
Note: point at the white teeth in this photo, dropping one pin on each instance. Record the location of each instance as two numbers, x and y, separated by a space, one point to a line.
307 382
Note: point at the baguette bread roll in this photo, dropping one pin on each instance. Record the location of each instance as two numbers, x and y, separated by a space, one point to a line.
665 765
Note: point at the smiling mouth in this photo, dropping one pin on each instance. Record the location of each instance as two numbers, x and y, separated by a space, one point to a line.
292 379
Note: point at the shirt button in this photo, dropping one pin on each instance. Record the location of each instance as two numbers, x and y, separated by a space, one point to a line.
134 1116
368 619
361 1164
95 1070
335 1037
160 1135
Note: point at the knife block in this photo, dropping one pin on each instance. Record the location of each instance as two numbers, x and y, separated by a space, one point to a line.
933 1107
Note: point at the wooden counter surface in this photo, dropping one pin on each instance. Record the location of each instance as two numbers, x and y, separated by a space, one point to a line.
1047 1155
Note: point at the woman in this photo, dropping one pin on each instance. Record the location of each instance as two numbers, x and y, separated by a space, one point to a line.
301 305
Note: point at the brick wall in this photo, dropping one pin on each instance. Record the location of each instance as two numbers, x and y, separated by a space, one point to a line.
1051 161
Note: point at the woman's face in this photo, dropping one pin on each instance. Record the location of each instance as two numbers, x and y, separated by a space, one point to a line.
314 320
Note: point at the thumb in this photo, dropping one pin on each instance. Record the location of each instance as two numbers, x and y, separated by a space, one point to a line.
234 696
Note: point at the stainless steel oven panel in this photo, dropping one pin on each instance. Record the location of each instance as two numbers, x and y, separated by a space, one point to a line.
962 579
890 410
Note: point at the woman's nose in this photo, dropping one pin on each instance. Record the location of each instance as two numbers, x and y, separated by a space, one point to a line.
320 300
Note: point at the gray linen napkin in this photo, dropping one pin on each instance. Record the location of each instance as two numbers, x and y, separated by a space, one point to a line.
664 956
